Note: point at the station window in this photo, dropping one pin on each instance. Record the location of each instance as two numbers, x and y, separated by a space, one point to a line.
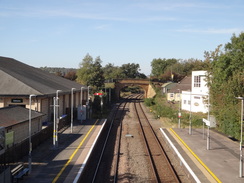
197 81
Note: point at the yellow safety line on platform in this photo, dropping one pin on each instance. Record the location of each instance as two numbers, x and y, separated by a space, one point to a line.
72 156
198 159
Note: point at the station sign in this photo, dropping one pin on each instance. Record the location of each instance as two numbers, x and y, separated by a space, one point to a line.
17 100
211 124
98 93
179 115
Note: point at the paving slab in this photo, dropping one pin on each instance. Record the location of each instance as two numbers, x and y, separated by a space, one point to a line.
221 161
61 164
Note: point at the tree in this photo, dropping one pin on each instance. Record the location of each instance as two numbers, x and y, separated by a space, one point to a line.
83 76
97 77
226 81
159 66
112 72
90 72
131 71
71 75
175 69
59 73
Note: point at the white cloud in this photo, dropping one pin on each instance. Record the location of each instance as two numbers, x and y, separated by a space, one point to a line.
124 13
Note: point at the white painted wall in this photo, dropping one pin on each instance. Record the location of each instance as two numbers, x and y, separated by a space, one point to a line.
203 89
197 100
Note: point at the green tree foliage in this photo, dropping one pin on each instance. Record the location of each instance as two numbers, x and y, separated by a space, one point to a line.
91 72
226 81
192 64
175 69
112 72
159 66
131 70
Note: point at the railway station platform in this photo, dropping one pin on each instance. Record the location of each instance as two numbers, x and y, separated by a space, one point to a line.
220 163
63 163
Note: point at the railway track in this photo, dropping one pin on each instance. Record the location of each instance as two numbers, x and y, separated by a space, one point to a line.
118 158
161 166
102 160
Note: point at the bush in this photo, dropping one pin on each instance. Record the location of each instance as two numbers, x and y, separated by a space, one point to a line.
149 102
161 108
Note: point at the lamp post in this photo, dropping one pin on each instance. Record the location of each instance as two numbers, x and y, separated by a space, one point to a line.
81 97
109 95
57 117
88 109
190 124
179 115
54 123
208 135
88 92
30 144
72 110
241 158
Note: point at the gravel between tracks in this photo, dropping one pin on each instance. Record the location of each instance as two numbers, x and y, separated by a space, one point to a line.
134 165
132 156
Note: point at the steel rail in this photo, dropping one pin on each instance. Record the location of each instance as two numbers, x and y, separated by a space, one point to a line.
105 143
153 163
155 174
119 143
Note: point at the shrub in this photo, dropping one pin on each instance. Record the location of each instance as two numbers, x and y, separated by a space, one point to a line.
149 102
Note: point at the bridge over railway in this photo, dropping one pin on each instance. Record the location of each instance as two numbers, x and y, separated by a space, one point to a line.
142 83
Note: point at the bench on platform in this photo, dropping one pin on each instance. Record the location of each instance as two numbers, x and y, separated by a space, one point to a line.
18 172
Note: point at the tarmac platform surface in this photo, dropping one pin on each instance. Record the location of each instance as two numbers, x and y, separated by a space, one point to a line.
61 164
218 164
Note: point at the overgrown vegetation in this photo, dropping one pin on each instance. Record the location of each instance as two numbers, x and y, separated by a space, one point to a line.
68 73
226 82
161 108
225 79
175 69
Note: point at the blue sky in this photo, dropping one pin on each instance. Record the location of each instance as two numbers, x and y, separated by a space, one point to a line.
59 33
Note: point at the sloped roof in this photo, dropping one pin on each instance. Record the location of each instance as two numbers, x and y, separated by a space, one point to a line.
183 85
21 114
169 85
165 84
18 78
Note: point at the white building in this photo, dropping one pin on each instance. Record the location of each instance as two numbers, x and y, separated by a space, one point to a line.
196 100
174 94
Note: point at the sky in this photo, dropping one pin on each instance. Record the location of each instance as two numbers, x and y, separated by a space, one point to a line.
60 33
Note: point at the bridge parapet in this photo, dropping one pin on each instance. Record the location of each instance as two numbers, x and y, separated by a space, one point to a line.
143 83
132 81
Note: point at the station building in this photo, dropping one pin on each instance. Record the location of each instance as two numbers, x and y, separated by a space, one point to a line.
15 120
197 99
192 93
19 81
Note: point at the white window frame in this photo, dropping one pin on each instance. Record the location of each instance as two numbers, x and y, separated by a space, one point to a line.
197 81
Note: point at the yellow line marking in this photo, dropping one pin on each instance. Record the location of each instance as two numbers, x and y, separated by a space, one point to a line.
198 159
72 156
